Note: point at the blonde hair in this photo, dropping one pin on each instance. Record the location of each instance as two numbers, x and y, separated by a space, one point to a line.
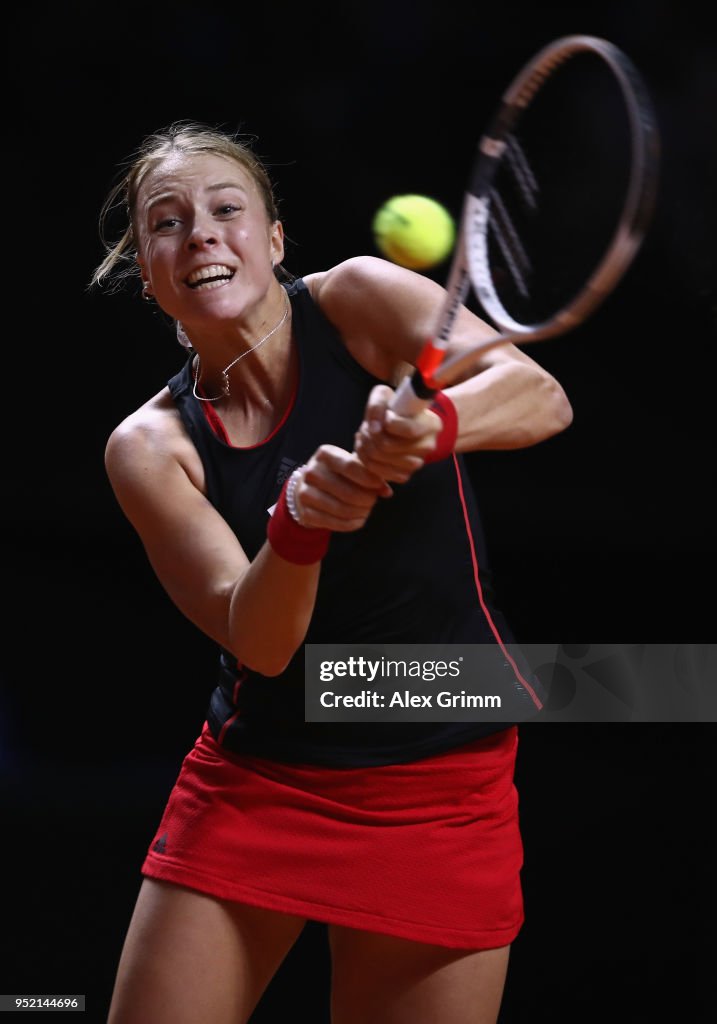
120 262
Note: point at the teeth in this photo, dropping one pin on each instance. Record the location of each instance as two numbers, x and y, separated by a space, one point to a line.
210 273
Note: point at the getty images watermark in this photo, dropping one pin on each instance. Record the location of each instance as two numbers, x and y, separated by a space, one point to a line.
511 682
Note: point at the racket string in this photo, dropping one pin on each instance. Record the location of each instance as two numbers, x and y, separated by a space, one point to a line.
558 191
508 240
559 198
523 175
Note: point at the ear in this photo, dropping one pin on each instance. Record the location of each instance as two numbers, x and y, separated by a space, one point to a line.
276 242
142 270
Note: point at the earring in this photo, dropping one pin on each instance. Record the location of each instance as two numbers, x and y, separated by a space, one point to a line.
182 337
146 294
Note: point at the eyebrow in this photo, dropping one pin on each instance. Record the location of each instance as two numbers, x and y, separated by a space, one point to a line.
164 196
226 184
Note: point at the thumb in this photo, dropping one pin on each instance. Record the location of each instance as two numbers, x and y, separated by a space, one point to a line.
377 407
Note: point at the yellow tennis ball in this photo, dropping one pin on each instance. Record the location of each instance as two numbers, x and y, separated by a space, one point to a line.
414 231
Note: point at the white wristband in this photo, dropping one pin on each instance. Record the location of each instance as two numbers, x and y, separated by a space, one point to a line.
291 496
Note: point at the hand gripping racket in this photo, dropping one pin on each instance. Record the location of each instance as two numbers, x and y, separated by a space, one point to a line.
558 202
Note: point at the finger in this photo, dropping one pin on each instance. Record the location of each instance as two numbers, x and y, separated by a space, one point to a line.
388 465
334 492
324 520
391 447
347 466
425 423
377 407
375 452
319 516
318 503
318 508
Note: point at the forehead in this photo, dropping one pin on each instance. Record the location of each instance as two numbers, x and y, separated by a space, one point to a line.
179 172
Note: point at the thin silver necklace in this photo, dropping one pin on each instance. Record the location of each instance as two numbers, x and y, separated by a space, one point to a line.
225 372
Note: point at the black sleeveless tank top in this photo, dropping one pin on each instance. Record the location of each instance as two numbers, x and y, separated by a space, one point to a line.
408 576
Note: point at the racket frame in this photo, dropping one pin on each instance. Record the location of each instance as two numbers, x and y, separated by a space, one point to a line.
470 266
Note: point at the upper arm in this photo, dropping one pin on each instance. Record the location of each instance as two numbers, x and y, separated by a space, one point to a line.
386 313
389 312
193 551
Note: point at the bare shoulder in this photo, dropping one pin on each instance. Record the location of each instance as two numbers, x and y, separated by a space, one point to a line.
366 277
152 439
386 312
355 270
153 427
382 311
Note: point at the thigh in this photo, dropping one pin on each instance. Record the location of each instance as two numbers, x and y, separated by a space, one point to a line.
389 980
188 957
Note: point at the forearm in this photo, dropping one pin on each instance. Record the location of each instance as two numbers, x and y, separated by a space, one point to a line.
509 405
272 604
270 610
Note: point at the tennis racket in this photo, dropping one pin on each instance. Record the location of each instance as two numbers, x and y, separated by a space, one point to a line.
559 199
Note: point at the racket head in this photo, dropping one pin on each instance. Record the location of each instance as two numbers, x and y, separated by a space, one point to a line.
562 188
559 200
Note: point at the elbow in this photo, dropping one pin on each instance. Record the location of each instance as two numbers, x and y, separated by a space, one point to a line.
563 410
270 667
557 410
268 661
262 642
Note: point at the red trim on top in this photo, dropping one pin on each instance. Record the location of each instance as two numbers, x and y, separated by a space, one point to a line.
230 721
215 422
241 677
479 588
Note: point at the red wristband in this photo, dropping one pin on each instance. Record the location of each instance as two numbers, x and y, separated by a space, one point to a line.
293 542
446 439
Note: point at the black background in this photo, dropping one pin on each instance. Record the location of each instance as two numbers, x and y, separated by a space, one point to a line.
606 530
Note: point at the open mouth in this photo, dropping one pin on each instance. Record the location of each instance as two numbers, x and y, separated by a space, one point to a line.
210 277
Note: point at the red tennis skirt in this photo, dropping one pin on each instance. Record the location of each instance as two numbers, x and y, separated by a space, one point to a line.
429 851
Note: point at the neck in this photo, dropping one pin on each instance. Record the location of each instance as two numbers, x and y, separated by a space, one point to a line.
257 403
252 363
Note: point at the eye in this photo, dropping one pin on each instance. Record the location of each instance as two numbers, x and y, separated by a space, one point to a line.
166 224
227 209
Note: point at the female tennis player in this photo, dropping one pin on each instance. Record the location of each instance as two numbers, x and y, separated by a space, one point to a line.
281 502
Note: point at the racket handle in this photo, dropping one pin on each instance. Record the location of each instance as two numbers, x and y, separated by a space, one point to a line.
412 395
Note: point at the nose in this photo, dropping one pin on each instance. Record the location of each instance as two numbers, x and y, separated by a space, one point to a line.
202 234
